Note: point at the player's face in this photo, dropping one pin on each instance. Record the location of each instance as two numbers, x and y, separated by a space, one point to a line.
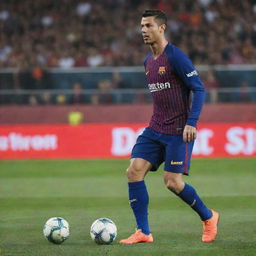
151 30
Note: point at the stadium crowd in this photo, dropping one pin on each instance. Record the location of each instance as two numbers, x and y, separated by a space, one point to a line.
77 33
39 34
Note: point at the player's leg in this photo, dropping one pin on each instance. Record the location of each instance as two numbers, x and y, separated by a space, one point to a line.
187 193
138 198
146 155
138 194
177 162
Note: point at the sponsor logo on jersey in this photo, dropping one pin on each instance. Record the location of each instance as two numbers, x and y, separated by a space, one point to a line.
158 86
193 73
162 70
176 162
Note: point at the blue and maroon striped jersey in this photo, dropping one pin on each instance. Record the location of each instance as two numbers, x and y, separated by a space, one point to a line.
171 78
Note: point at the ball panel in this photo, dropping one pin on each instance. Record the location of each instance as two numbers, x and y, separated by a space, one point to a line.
56 236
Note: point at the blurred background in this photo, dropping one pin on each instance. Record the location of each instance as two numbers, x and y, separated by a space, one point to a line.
81 62
91 52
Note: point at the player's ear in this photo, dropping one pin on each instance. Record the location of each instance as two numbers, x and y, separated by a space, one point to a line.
162 28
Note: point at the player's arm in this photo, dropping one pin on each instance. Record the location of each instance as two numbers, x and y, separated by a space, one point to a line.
187 72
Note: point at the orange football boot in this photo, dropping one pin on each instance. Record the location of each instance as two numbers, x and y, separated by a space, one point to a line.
138 237
210 228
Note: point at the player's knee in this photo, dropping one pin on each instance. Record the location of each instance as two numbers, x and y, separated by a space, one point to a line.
174 185
134 173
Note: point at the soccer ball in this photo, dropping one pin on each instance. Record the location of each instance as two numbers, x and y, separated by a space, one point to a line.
56 230
103 231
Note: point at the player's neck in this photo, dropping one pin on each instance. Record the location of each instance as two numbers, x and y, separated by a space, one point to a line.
158 47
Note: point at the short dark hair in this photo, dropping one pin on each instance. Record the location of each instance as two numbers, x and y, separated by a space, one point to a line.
158 14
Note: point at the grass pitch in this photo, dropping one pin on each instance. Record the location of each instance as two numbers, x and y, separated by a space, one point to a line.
84 190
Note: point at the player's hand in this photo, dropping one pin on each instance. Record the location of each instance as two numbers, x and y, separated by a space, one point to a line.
189 133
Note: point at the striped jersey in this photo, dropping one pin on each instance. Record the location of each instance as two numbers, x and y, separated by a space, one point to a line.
171 77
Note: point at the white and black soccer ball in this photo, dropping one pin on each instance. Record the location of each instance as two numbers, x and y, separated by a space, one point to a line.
56 230
103 231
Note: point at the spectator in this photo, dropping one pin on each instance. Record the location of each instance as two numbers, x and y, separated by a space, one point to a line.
118 82
66 60
40 78
32 100
211 84
105 95
77 96
61 99
94 58
246 95
46 98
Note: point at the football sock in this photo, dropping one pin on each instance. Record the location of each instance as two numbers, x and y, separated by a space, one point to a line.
138 197
189 195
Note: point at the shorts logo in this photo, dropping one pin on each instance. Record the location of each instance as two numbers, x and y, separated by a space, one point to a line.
176 162
162 70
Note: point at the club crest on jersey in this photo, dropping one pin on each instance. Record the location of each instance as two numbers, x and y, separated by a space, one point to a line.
162 70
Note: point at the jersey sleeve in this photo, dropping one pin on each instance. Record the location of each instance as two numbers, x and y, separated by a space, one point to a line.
188 74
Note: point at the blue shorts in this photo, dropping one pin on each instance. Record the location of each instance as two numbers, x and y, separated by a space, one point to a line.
157 148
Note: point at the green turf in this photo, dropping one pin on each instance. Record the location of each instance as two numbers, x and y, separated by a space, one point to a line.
83 190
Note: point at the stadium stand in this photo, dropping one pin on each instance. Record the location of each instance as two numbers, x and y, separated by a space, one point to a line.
107 33
44 41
